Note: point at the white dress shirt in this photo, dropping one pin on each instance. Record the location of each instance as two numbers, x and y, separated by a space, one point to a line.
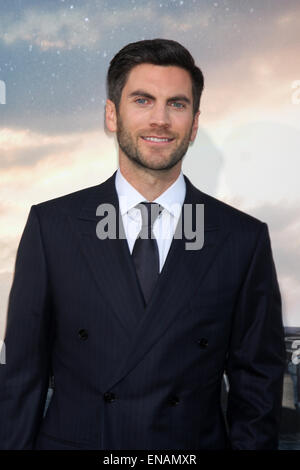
165 224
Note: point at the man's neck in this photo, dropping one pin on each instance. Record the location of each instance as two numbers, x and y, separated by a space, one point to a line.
150 183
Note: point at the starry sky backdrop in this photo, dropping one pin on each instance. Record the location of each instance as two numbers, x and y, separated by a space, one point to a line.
54 56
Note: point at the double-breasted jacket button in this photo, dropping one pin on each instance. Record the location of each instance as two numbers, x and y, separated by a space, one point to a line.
109 397
173 400
202 342
83 334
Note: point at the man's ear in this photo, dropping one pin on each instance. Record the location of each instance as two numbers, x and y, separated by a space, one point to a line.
110 116
195 126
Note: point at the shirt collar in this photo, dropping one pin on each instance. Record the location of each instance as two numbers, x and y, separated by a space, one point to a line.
130 197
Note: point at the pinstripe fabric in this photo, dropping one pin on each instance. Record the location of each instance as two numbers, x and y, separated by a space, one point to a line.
129 378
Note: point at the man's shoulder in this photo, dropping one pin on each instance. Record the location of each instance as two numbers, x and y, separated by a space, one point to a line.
68 201
231 212
76 200
225 214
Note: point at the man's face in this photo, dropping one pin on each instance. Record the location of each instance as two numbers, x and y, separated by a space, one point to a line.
155 122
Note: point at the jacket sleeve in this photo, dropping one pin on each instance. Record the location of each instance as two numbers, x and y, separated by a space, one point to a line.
256 356
24 376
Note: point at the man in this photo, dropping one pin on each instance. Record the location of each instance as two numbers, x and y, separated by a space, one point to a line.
138 330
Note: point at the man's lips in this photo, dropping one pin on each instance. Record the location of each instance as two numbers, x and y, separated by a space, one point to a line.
157 140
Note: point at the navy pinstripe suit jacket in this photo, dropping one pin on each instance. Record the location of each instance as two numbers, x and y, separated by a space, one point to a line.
133 378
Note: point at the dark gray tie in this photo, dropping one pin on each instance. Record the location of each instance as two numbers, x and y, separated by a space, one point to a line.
145 251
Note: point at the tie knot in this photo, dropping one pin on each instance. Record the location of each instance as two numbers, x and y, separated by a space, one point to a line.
149 212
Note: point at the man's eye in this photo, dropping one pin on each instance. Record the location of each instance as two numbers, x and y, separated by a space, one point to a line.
141 100
177 104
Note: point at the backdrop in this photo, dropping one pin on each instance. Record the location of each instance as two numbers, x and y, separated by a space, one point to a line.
54 56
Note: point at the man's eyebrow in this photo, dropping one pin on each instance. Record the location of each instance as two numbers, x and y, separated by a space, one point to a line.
180 98
141 93
147 95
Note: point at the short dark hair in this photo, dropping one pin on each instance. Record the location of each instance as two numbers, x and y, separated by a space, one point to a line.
152 51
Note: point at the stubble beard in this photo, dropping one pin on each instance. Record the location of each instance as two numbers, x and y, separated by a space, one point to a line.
131 150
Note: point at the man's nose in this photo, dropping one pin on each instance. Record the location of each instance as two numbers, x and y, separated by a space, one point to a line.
160 115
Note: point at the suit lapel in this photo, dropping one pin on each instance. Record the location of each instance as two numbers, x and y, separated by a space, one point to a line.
109 259
113 269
